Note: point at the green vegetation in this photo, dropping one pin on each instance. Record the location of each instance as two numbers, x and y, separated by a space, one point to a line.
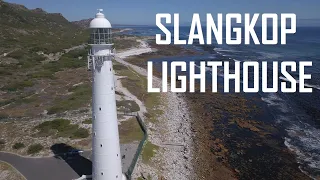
81 96
17 100
149 151
128 105
37 31
130 131
134 80
87 121
118 67
81 133
2 144
18 85
18 145
61 128
122 43
35 148
3 115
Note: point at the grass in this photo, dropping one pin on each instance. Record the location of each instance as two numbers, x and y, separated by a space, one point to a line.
130 131
35 148
128 105
134 80
87 121
68 60
81 96
3 116
18 85
149 151
61 128
125 43
9 172
18 100
18 145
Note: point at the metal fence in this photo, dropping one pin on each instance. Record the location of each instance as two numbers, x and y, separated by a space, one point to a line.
140 147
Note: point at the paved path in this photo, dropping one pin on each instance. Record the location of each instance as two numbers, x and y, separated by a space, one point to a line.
51 168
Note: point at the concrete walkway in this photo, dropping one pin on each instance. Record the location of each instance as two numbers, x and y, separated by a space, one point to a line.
52 168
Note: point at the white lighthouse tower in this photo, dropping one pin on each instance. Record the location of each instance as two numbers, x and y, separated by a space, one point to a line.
106 160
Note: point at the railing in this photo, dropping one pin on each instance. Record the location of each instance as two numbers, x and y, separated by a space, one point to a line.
140 147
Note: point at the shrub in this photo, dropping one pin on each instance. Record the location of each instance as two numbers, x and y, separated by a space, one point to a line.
80 97
35 148
17 54
87 121
81 133
18 145
128 105
62 128
2 142
42 74
3 115
14 86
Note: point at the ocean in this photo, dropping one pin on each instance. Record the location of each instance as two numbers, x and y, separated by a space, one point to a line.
297 115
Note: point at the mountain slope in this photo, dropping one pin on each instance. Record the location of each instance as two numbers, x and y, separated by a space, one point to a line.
37 29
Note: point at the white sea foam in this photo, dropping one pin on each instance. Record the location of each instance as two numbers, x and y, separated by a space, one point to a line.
224 50
274 100
302 138
305 84
268 55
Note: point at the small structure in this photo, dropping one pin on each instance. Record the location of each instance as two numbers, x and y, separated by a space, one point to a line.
106 162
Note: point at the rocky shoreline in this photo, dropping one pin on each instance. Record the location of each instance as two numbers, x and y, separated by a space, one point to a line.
172 133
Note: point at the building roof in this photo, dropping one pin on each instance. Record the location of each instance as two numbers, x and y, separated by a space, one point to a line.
100 21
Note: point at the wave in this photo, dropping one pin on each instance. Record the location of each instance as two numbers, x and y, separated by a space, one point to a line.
219 72
268 55
224 50
305 84
302 138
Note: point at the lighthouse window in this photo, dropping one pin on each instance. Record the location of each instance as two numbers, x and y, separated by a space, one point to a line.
101 36
100 145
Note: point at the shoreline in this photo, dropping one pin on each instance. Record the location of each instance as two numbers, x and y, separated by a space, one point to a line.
172 133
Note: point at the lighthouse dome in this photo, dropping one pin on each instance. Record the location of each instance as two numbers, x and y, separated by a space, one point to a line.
100 21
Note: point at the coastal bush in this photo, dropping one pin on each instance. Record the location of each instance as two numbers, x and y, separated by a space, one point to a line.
3 115
2 144
18 145
81 133
81 96
17 85
128 105
76 53
61 128
131 82
130 131
42 74
125 43
119 67
17 54
87 121
35 148
149 151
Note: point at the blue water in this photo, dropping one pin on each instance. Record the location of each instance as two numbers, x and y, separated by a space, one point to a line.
297 113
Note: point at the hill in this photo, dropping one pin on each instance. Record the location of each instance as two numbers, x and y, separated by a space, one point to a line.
36 29
84 23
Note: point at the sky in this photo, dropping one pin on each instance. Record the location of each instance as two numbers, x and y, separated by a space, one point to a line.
143 12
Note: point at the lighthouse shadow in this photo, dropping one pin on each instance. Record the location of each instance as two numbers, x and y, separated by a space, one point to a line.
71 155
